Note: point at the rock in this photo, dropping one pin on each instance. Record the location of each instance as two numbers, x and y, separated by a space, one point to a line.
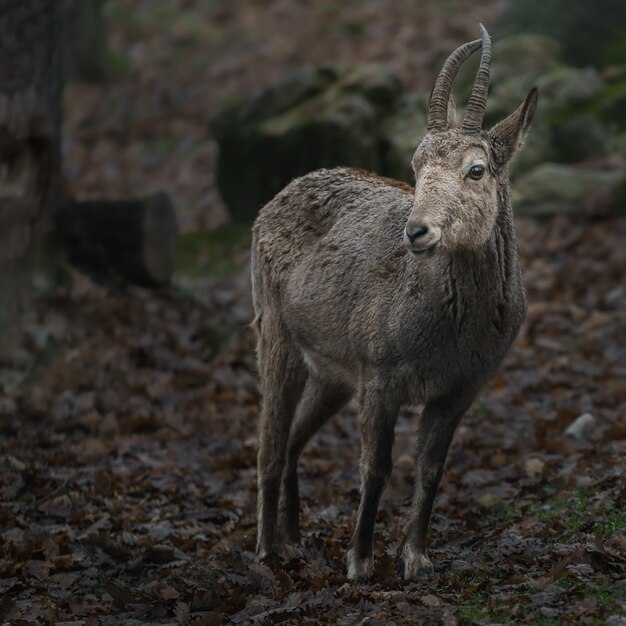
534 468
319 118
565 87
581 426
580 136
555 189
538 148
588 32
567 128
617 143
527 54
611 106
302 84
324 117
564 130
518 63
489 500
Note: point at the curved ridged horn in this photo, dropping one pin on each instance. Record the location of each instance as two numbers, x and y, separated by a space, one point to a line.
477 104
438 104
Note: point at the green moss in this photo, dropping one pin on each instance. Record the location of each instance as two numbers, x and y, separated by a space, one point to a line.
613 523
329 9
570 514
602 590
353 27
212 251
472 614
161 145
478 609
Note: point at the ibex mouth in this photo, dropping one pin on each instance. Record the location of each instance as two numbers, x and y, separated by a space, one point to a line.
422 251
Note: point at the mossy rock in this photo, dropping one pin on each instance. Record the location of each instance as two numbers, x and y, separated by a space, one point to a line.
566 87
518 63
579 137
538 148
316 119
326 117
525 56
610 105
214 252
243 113
565 129
556 189
590 32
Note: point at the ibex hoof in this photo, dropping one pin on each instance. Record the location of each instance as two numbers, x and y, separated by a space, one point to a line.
284 551
290 551
417 565
359 568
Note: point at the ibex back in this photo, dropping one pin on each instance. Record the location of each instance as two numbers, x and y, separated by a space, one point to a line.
363 285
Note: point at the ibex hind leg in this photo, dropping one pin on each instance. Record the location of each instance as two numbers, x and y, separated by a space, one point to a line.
283 375
379 410
321 399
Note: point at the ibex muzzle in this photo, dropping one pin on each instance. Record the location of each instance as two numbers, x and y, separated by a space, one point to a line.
343 309
421 236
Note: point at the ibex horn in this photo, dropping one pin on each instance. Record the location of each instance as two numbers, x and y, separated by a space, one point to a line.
477 104
438 104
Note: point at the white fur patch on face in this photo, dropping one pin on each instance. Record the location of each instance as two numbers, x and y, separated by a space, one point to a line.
452 201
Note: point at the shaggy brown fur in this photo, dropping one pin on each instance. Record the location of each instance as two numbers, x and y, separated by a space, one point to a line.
349 300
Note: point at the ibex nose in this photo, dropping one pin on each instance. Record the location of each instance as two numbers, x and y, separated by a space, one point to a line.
420 237
416 231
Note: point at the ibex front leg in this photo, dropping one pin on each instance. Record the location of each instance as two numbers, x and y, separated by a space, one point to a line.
436 428
378 416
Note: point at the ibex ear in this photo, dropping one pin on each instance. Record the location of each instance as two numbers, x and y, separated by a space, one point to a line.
511 131
451 112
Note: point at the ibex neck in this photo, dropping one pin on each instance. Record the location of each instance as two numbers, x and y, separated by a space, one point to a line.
486 281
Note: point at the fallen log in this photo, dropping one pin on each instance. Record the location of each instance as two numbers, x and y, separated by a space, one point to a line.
134 239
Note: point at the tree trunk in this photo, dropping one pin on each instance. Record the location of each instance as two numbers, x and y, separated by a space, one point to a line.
132 239
88 52
30 99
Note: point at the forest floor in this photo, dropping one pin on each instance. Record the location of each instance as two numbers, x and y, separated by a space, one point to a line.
128 418
128 449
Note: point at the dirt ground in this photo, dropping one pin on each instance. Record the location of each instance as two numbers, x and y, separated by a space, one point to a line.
128 484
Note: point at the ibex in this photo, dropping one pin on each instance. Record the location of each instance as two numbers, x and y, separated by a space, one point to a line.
364 285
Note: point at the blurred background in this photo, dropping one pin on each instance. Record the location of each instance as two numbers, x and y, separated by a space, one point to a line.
217 105
138 140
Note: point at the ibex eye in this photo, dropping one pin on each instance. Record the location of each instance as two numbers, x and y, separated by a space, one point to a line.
476 172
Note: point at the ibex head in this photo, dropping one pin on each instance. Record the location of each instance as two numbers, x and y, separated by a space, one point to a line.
459 170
